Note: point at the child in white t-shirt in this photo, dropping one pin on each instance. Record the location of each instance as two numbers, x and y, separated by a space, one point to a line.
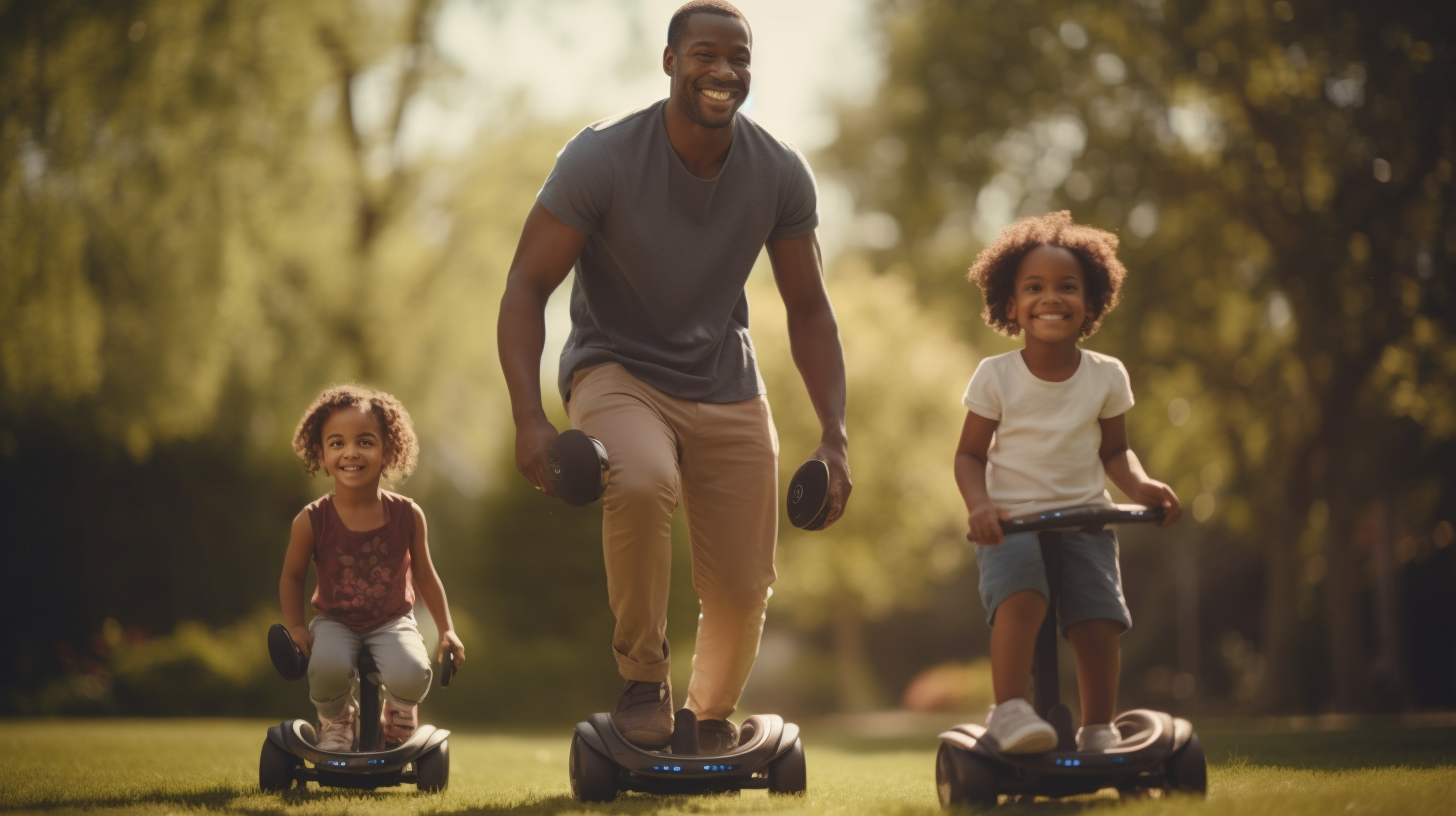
1044 425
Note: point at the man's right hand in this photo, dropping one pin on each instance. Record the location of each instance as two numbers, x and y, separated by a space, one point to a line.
302 638
533 450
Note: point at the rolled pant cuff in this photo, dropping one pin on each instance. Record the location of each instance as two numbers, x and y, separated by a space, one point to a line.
648 672
331 709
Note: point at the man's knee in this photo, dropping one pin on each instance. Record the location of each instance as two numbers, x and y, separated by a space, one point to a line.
738 598
643 488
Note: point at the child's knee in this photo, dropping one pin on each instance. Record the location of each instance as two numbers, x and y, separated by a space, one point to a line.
328 678
409 684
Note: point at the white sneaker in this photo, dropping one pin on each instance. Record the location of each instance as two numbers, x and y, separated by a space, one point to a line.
1095 739
337 735
1018 730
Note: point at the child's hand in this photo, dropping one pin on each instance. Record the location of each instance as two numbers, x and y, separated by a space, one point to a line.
985 524
450 643
1156 494
302 638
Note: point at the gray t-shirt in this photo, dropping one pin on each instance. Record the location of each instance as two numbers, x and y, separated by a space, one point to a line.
659 284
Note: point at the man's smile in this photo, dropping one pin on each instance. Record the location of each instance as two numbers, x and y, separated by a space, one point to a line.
720 94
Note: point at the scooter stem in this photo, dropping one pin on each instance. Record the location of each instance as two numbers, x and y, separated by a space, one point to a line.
1045 677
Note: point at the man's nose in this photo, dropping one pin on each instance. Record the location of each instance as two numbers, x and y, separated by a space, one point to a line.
723 71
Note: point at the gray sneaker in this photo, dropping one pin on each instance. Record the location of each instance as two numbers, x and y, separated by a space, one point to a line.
1018 730
644 713
717 737
1097 739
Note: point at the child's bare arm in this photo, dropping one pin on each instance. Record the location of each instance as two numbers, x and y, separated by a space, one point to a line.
432 591
1125 471
970 473
291 584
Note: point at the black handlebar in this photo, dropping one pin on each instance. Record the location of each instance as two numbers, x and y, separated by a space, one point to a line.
1084 517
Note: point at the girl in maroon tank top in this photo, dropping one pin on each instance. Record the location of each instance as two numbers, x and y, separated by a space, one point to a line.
371 555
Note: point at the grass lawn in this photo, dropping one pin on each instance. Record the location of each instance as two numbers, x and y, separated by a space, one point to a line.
210 766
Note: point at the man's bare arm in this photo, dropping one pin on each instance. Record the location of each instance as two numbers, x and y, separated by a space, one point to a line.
814 342
547 250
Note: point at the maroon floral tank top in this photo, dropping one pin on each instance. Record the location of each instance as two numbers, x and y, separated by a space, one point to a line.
363 577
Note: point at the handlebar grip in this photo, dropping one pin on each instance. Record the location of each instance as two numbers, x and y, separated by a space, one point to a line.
447 667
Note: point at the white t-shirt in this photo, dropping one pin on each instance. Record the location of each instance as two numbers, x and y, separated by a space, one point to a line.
1044 452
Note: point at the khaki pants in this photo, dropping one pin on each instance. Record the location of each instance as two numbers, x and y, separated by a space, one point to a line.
722 462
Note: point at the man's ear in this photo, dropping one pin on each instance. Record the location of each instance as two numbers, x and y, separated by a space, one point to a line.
668 59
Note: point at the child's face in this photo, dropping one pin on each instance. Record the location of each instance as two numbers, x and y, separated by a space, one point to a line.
1049 301
353 447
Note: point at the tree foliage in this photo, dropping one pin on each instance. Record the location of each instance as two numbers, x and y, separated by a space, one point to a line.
1281 177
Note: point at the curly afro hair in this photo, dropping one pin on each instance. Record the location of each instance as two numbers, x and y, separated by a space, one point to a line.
1095 249
401 447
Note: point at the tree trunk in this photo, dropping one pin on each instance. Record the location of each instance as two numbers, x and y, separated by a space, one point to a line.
856 681
1343 622
1391 687
1278 691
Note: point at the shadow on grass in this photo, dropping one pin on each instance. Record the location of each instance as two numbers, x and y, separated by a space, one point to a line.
1311 750
220 797
1335 750
627 803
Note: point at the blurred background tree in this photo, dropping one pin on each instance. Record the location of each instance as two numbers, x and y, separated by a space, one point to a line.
1281 177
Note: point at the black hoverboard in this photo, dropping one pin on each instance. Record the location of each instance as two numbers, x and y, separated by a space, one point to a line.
603 763
290 752
1157 752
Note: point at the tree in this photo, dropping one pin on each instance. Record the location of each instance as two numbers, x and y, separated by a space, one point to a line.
904 527
1282 182
205 223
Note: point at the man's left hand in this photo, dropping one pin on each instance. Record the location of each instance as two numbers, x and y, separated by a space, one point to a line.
836 456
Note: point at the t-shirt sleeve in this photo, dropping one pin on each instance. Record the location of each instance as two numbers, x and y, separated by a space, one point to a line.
983 395
579 189
798 202
1119 392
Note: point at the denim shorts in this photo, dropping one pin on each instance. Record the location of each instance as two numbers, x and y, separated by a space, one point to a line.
1091 578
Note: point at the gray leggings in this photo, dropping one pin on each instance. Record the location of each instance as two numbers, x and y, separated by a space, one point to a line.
398 650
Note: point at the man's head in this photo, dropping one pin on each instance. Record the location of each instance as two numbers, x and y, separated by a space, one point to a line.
708 56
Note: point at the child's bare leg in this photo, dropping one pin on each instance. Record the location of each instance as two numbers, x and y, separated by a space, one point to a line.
1013 644
1099 662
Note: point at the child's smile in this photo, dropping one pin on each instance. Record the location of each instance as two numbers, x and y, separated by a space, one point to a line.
353 447
1049 300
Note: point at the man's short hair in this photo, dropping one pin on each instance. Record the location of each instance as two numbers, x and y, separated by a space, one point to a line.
722 8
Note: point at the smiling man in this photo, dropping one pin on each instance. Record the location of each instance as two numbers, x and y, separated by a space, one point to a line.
662 212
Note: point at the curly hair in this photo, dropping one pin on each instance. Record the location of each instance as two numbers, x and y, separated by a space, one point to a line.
1096 251
401 447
